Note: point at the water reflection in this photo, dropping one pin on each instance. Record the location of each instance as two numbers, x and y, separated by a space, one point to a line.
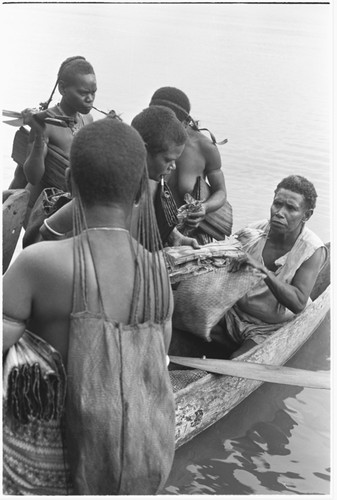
267 444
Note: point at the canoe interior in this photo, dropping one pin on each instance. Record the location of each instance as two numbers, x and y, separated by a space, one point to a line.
203 398
14 208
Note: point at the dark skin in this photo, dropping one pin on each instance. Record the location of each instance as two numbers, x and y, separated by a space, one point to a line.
29 297
159 165
288 213
199 158
77 101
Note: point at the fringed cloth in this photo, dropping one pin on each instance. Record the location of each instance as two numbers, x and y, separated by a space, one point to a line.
120 405
56 163
34 386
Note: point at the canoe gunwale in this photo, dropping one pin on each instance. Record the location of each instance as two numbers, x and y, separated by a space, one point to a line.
203 402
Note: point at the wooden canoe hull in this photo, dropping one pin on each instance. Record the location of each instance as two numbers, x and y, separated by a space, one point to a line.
14 208
204 401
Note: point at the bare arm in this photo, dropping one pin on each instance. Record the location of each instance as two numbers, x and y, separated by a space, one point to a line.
216 180
218 187
293 296
17 300
58 225
34 165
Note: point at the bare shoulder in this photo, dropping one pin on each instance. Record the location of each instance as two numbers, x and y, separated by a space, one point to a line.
45 256
210 152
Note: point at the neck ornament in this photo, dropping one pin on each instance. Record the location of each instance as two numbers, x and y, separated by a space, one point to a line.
75 124
106 228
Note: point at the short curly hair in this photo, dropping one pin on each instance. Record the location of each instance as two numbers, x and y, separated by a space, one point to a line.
159 128
301 185
107 162
174 99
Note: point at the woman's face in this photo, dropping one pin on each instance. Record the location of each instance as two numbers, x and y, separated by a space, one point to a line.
79 95
161 164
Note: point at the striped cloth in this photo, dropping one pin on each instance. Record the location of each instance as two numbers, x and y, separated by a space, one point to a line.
34 456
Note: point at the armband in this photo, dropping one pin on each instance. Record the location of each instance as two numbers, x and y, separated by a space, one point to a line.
48 233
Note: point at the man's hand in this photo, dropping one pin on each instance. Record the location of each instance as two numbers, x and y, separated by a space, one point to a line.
245 260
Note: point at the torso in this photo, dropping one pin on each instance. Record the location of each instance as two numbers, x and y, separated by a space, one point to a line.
190 165
53 289
62 137
53 295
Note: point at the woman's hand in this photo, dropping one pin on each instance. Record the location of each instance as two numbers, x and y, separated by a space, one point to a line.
193 219
31 117
176 239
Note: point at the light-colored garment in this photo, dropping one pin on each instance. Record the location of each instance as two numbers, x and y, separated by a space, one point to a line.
259 313
34 455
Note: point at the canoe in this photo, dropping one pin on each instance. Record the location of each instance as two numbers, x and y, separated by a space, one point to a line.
14 207
203 398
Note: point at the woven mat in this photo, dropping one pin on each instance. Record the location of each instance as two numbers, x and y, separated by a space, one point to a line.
182 378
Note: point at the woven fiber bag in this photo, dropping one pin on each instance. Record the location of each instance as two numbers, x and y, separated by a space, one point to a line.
201 300
20 146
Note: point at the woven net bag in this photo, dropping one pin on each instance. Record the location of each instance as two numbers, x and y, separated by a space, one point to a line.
200 301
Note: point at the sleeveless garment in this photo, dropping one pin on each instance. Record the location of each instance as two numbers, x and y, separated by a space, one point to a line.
259 313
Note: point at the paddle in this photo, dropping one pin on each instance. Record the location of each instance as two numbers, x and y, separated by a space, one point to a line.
257 371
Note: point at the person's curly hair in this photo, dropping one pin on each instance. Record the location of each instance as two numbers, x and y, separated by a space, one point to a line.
174 99
107 162
159 128
301 185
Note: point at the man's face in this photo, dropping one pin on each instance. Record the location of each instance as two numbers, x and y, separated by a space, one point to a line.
163 163
288 211
79 95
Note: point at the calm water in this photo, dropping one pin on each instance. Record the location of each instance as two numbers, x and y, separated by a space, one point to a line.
259 75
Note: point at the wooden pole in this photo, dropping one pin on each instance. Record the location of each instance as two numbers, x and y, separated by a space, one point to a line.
256 371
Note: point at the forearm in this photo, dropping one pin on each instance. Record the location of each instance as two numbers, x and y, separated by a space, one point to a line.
215 201
34 165
286 294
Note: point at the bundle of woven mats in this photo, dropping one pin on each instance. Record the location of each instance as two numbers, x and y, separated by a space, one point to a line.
205 286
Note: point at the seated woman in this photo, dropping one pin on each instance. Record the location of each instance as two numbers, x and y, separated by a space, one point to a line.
288 255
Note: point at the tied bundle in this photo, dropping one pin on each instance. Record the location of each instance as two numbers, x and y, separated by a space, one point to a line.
205 284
